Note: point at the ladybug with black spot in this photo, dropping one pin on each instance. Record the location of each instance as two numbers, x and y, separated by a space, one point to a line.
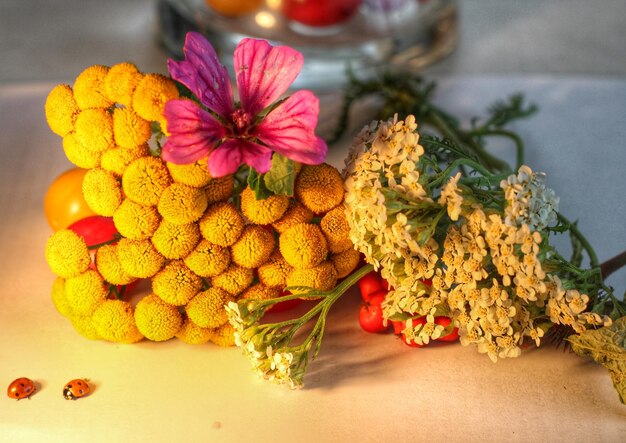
75 389
21 388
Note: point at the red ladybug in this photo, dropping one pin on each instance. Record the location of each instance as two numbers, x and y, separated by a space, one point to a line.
76 389
21 388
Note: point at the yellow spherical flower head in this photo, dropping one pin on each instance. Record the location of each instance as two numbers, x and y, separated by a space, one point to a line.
345 262
265 211
336 229
151 94
176 284
114 321
322 277
102 191
181 204
67 254
319 187
260 292
78 154
254 247
207 308
208 259
83 324
223 336
136 221
120 83
157 320
193 174
116 160
89 88
274 273
296 213
61 110
130 130
234 280
192 334
109 266
145 179
221 224
175 241
220 188
303 246
139 258
58 297
94 129
85 292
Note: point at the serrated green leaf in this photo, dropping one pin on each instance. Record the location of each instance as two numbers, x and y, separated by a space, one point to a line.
281 176
606 346
257 184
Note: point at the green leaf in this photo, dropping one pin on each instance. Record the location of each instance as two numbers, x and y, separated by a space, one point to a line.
281 176
257 184
606 346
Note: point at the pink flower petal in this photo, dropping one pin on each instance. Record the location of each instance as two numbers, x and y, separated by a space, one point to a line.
290 129
204 75
193 132
264 73
231 154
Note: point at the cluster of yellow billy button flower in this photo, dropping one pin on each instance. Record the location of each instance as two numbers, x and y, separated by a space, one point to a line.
200 242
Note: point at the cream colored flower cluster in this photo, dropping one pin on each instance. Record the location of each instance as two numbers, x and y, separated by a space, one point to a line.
445 254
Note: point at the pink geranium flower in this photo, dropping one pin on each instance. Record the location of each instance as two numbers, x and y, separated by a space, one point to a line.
230 133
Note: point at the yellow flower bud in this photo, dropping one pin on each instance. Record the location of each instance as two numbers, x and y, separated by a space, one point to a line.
58 297
89 88
84 326
114 321
181 204
208 259
260 292
130 130
220 188
274 273
61 110
263 212
67 254
193 174
207 308
157 320
116 160
319 187
303 246
176 284
345 262
224 335
102 192
120 83
151 94
139 258
322 277
193 334
109 266
78 154
94 129
221 224
135 221
336 229
175 241
234 280
296 213
85 292
254 247
145 179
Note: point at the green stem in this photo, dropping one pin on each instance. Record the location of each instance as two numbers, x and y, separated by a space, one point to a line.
593 258
519 144
115 239
613 264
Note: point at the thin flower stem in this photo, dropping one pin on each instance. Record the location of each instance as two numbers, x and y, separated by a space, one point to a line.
593 258
519 144
115 239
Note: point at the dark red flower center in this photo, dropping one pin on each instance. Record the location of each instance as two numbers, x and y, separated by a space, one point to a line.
242 121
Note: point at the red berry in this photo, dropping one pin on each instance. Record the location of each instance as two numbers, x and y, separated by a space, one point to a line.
372 283
445 321
371 314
